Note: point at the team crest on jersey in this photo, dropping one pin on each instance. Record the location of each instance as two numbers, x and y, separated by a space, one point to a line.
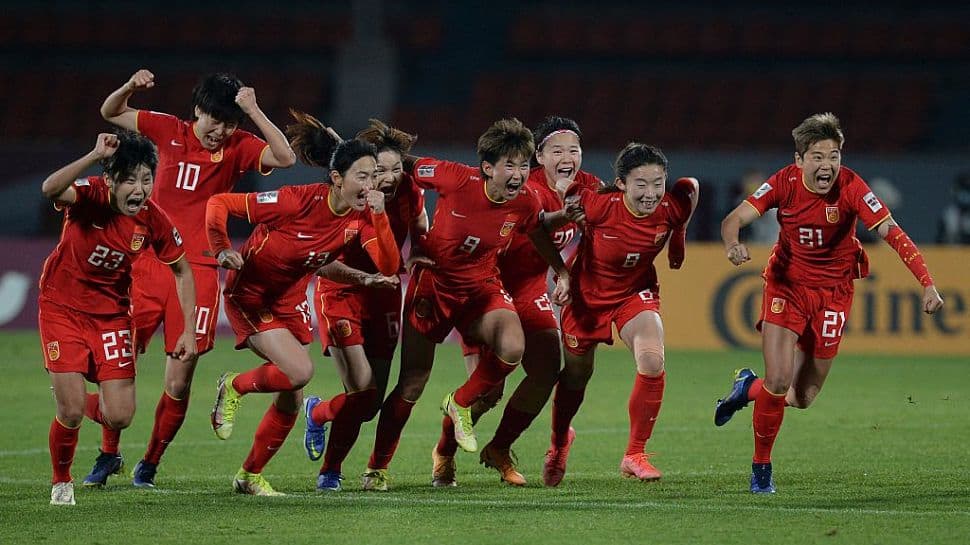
422 307
571 340
426 171
53 351
660 238
350 233
265 316
832 214
216 157
506 229
343 328
267 197
777 305
765 187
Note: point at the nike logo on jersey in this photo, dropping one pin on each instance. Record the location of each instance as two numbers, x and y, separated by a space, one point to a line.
611 237
96 226
124 364
174 143
457 215
787 213
301 235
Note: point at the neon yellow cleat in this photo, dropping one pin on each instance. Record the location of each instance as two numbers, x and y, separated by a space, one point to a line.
375 479
462 419
227 402
253 484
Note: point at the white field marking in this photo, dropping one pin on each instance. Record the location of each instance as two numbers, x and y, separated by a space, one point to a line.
390 498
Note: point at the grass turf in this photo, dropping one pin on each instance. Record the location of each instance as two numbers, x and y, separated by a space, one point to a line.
881 458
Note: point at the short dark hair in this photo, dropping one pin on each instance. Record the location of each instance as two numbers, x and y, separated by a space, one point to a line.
817 128
505 138
215 95
133 150
386 138
552 124
317 146
632 156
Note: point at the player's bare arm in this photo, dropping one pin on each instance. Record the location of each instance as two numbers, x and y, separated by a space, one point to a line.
115 109
58 186
279 154
186 349
338 271
899 241
744 214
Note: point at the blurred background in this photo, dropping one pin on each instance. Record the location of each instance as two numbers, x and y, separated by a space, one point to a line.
718 86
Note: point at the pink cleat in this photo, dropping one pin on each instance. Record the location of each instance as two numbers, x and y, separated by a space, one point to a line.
555 467
638 466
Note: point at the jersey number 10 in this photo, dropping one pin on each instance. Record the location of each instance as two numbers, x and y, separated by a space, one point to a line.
188 176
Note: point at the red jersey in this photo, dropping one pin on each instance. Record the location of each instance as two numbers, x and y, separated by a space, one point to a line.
469 229
817 245
90 269
188 174
401 212
297 233
521 263
614 260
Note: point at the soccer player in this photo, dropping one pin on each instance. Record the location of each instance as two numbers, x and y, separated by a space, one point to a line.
84 318
614 281
808 280
478 211
559 156
198 158
299 229
359 312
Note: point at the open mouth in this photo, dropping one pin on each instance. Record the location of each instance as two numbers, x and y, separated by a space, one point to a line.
388 190
823 179
361 201
648 205
134 204
512 188
565 172
213 141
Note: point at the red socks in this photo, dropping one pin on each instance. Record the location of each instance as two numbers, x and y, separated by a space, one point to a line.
491 371
110 437
325 411
564 407
394 415
265 378
346 426
169 415
513 423
270 435
62 442
769 410
644 406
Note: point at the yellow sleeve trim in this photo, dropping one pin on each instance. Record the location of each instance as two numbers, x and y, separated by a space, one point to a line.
368 241
745 201
880 222
174 261
260 167
249 218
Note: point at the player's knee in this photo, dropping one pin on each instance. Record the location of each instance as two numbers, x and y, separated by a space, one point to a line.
510 347
178 388
118 421
70 417
650 360
777 385
300 377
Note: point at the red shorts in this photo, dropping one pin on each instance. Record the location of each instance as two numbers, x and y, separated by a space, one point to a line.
534 308
817 315
359 316
434 309
154 300
289 313
583 327
98 347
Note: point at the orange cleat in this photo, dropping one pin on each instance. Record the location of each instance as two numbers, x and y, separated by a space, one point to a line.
555 467
443 470
638 466
503 461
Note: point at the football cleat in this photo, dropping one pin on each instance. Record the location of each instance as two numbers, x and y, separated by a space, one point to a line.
375 479
315 436
62 494
443 470
253 484
761 479
554 469
329 481
144 474
227 402
736 399
462 419
638 466
104 465
504 461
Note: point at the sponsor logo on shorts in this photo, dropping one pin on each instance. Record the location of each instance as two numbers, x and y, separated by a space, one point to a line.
777 305
506 229
571 340
53 351
265 316
832 214
267 197
216 157
422 307
426 171
343 328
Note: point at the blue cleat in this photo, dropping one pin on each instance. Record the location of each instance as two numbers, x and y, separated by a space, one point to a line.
329 481
737 399
104 465
144 475
315 436
761 480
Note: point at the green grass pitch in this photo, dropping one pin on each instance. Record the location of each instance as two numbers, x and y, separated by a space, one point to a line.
881 458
